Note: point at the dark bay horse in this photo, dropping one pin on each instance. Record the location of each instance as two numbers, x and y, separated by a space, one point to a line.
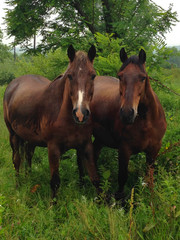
55 114
127 115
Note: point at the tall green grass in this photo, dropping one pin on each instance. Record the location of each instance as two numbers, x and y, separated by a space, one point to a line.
26 212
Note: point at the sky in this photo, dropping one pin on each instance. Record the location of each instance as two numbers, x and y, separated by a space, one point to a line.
172 38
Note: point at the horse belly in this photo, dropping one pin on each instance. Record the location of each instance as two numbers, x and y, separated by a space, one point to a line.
67 134
105 136
138 138
29 134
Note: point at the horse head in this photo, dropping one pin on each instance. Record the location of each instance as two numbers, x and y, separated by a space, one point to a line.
81 76
132 80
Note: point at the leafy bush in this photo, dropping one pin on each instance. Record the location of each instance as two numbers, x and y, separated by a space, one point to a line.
108 61
7 69
50 65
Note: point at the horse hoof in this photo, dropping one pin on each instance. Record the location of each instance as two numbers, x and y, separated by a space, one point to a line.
119 196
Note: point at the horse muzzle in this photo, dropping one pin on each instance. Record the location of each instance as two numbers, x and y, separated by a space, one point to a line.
81 115
127 115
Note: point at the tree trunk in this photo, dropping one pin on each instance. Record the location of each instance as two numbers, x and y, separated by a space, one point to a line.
34 42
107 15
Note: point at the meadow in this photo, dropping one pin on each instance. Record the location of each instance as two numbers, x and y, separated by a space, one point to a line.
150 212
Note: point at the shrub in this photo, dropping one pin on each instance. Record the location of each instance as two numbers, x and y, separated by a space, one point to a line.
7 69
50 65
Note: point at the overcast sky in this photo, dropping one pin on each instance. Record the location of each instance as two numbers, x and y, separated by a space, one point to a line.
172 38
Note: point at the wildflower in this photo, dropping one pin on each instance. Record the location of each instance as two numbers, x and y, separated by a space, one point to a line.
144 184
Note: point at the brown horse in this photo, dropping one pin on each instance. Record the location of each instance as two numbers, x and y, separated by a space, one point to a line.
39 112
127 115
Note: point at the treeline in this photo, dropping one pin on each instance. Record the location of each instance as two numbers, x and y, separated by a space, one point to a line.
107 61
109 25
174 58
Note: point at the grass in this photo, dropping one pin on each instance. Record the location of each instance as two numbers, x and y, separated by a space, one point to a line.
26 213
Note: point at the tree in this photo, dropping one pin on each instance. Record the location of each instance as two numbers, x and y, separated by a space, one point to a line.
60 22
4 50
1 36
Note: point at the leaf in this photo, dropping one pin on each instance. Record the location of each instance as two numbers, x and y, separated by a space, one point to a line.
148 227
106 174
177 214
140 235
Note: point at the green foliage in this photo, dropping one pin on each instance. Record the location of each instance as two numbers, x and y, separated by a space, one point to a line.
6 65
4 52
1 35
7 69
50 65
25 211
108 61
174 59
2 202
138 23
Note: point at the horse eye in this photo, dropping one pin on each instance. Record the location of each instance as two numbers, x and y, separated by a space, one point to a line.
70 77
143 78
93 76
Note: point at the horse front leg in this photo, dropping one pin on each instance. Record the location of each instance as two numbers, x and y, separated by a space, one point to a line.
54 156
91 166
97 146
123 160
80 157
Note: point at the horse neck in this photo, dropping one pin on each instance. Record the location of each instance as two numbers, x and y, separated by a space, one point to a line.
150 100
53 99
67 103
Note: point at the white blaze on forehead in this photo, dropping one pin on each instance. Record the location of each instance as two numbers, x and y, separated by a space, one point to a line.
80 97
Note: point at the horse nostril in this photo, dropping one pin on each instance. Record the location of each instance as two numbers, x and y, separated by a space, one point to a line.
132 112
127 115
121 111
86 113
74 111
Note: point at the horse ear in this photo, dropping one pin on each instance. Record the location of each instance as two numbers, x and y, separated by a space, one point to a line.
142 56
92 53
123 55
71 52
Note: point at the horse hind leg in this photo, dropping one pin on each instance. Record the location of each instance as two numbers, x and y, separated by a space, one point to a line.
81 156
124 154
29 151
15 143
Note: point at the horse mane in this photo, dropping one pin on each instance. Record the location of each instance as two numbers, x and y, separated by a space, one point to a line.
81 59
53 98
134 60
58 77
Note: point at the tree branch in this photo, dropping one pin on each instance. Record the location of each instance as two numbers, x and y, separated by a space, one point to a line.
90 25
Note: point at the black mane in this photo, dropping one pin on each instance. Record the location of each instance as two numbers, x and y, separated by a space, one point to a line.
134 60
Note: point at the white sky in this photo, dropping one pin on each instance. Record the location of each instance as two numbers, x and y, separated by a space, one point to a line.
172 38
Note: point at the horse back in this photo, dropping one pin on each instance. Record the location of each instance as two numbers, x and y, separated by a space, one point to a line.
105 109
22 101
105 98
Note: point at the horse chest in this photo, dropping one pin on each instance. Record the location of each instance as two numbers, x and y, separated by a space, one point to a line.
68 134
137 136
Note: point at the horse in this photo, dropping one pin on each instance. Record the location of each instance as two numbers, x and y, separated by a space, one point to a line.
127 115
54 114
